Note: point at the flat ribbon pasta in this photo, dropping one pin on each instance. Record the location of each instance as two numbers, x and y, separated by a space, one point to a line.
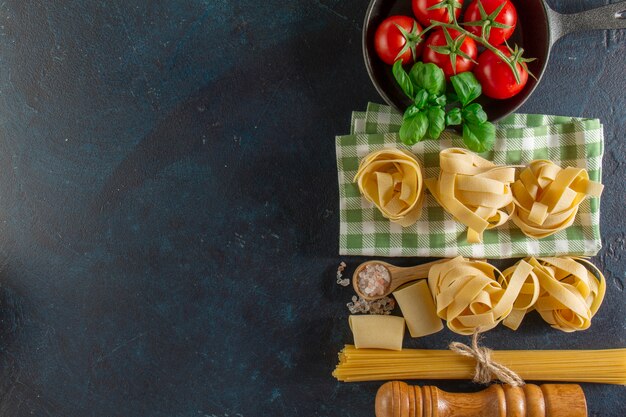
528 295
473 190
473 295
572 290
547 196
392 180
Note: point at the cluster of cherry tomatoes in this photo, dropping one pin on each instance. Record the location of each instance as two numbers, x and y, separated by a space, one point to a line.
454 51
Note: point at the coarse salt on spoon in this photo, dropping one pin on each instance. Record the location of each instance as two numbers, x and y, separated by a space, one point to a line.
377 279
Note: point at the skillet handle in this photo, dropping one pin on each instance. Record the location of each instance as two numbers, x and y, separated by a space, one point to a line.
612 16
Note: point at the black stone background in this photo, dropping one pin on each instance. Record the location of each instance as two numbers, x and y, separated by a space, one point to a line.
168 206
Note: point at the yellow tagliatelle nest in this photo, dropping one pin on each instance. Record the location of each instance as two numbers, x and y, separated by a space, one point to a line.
547 196
572 290
474 190
392 180
474 296
470 295
528 293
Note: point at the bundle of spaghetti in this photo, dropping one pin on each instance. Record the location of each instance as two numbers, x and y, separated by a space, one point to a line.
599 366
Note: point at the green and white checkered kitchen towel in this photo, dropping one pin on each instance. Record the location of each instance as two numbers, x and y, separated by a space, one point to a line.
521 138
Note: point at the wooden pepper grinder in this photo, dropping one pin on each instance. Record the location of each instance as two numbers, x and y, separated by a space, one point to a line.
397 399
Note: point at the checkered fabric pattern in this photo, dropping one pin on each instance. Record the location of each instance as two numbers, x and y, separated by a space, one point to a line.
521 138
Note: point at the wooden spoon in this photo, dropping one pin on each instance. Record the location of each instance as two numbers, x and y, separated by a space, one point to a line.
399 276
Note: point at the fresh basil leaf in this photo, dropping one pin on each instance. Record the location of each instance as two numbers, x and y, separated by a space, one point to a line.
430 77
421 97
433 79
413 73
414 128
474 113
410 112
466 86
441 100
453 117
436 122
402 78
479 137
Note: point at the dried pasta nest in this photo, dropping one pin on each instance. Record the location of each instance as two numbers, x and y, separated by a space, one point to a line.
473 295
475 191
547 197
392 180
572 290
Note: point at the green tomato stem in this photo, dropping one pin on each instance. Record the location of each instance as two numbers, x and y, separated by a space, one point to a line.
478 39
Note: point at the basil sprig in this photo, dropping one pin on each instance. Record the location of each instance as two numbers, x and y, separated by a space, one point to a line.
433 110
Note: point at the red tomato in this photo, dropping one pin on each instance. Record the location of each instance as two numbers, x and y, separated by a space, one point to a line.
443 61
496 77
506 16
424 16
389 41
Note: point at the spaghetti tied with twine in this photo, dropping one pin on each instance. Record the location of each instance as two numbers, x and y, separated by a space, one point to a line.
486 369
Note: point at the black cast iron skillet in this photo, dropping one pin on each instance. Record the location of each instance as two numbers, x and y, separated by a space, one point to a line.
538 28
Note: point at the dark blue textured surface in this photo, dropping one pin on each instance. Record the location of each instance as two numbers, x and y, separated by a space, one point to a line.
168 205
